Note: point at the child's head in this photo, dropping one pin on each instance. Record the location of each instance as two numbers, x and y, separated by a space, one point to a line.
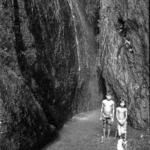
122 103
108 96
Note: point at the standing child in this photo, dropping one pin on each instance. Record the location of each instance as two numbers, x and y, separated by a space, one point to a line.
121 115
107 113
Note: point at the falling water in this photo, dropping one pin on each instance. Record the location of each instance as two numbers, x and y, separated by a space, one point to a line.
76 36
87 31
89 49
84 25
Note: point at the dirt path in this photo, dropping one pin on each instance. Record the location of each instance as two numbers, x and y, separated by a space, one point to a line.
84 132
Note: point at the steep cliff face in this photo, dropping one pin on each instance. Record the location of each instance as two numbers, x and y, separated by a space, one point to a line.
48 69
124 54
60 57
48 41
38 82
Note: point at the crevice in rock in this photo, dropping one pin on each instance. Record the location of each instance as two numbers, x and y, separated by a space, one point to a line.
65 57
101 83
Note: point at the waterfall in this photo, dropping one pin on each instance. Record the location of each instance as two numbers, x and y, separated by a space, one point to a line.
76 36
87 31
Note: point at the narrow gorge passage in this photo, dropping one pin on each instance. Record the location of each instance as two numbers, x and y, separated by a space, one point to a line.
58 60
88 46
84 131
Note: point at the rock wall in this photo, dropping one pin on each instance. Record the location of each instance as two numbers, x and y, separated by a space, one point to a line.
61 57
38 71
48 69
124 54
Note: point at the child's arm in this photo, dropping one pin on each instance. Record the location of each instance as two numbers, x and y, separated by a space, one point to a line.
125 118
113 112
117 112
117 116
101 115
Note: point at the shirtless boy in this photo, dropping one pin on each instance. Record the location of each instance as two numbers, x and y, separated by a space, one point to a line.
121 115
107 113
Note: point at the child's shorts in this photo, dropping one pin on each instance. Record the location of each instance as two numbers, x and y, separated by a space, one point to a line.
107 122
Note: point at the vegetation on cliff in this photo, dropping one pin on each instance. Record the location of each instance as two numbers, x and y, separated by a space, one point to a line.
60 57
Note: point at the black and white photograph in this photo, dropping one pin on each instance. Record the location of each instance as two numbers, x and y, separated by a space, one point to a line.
74 75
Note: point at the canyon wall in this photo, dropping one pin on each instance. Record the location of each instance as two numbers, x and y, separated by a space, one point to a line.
60 57
124 55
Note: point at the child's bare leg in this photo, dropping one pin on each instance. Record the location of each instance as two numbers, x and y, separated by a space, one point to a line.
108 133
104 132
108 127
104 128
102 138
119 132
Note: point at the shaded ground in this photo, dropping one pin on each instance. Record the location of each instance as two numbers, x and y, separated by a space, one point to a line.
84 132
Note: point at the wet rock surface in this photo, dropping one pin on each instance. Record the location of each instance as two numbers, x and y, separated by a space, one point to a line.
124 55
60 57
38 82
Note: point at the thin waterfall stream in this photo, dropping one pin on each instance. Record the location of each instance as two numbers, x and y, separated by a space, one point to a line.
76 36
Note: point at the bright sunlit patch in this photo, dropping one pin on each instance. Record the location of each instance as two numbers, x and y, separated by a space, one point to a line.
80 118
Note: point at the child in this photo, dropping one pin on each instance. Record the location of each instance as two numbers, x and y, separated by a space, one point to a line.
107 112
121 115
